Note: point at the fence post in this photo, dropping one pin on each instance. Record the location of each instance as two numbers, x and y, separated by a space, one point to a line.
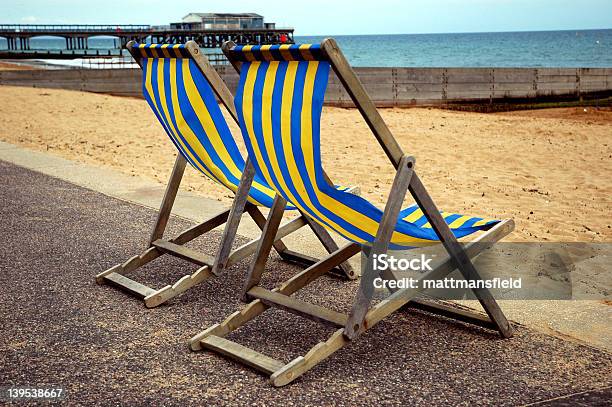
491 85
394 87
578 84
444 85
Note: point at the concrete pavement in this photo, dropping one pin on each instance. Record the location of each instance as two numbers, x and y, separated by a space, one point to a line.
588 322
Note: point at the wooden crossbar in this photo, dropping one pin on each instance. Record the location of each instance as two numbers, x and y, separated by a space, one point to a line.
201 228
133 287
302 308
184 252
452 312
242 354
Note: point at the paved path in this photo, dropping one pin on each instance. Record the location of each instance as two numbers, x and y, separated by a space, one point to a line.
60 328
587 322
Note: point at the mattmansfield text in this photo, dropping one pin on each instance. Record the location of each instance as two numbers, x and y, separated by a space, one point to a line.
448 282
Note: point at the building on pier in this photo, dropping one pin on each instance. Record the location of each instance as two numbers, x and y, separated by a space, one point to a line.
222 21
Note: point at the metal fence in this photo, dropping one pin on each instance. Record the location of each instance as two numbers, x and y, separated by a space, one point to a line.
12 28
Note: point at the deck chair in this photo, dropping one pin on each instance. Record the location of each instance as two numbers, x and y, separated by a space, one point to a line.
181 88
279 102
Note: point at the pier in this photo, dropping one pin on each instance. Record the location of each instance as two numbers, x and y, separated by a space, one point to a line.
18 37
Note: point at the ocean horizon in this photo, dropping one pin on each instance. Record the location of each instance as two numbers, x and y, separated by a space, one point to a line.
535 49
531 49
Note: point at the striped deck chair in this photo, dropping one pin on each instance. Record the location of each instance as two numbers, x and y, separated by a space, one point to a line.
181 88
279 103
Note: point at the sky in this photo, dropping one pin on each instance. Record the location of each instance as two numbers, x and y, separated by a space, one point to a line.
332 17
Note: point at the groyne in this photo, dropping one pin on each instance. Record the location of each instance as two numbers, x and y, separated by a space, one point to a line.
388 87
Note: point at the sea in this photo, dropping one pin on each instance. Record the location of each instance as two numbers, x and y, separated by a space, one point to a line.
570 48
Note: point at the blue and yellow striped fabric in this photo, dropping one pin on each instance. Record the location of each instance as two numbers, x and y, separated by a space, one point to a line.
284 52
185 105
161 50
279 105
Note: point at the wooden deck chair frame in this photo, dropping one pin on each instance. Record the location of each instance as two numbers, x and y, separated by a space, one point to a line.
225 257
362 316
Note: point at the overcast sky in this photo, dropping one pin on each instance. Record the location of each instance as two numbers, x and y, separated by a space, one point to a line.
332 17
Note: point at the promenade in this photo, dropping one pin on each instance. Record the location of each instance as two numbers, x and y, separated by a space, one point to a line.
61 328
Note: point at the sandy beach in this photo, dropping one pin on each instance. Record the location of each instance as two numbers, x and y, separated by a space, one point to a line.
13 66
547 169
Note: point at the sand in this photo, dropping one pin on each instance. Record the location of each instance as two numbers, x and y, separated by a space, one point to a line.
548 169
9 66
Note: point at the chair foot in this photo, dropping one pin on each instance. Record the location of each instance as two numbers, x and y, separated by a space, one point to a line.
458 313
231 323
128 285
167 293
131 264
115 269
302 364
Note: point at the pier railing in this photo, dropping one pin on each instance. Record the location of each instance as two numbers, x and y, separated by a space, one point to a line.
24 28
88 28
59 53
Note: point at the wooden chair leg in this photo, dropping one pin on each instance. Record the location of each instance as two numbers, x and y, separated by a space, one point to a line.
454 249
295 257
331 246
231 227
264 245
260 221
170 291
169 196
300 365
354 325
